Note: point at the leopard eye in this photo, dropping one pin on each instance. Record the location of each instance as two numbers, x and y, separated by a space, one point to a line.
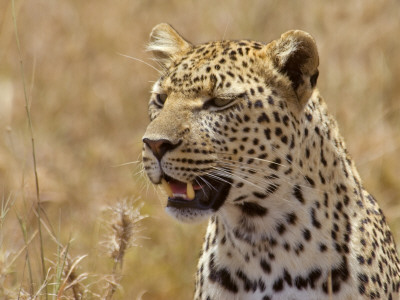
161 98
224 102
218 103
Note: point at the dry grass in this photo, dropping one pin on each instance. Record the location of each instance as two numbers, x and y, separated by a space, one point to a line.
88 107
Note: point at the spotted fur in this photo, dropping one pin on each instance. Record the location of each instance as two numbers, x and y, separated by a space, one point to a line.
297 222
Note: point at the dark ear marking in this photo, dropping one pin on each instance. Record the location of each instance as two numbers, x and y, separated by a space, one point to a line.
313 79
292 67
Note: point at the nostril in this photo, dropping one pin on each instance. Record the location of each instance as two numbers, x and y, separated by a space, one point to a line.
160 147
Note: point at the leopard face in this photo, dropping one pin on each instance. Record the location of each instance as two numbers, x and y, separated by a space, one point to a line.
224 117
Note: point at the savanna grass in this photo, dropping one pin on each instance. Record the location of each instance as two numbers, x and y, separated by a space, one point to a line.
60 279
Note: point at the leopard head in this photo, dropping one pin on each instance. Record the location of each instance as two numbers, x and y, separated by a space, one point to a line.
223 118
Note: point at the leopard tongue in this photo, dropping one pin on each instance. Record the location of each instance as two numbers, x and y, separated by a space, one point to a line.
178 189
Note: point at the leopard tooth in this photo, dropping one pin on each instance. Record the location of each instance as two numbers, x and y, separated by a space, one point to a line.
190 191
167 188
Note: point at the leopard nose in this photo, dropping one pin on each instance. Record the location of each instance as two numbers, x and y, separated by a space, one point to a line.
160 147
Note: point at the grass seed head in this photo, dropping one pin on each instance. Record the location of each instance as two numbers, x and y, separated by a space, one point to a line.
123 228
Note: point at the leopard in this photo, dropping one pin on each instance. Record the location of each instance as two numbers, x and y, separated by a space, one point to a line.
240 135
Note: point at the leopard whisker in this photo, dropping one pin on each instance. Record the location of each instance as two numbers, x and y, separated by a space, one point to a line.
245 174
214 175
287 179
205 181
224 172
263 190
127 163
208 183
140 60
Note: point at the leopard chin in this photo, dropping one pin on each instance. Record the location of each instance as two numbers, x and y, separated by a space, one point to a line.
189 215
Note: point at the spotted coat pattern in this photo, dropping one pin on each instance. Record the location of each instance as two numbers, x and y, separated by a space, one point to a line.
297 222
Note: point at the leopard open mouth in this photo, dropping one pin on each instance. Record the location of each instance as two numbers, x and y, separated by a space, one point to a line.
207 193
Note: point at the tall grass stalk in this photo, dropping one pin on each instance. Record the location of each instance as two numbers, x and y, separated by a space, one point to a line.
27 257
60 266
28 114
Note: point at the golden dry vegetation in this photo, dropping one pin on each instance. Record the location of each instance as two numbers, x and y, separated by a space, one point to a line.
88 107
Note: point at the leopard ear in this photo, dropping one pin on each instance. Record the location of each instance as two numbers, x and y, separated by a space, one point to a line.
295 54
167 44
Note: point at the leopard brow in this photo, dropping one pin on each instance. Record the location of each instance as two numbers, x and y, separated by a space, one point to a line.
228 95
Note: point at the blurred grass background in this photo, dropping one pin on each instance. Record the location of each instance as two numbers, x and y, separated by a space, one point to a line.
89 110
